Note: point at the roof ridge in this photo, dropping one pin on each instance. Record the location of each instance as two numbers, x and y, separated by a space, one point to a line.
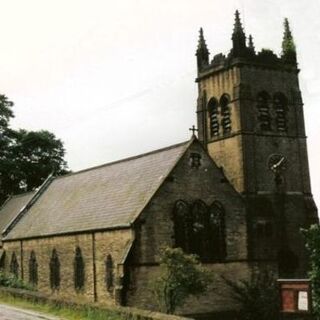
125 159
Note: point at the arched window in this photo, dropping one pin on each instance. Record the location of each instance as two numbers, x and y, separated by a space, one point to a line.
78 270
109 273
263 101
33 269
200 230
217 231
180 215
280 105
226 114
199 239
54 270
14 265
3 260
213 117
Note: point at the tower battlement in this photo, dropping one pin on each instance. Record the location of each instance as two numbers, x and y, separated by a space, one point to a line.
243 53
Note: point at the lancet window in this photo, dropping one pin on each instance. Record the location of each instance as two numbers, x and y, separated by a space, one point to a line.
33 269
109 273
3 260
78 270
14 265
180 217
217 230
54 270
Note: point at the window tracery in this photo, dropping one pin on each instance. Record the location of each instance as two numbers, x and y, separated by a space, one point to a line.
217 229
200 229
180 215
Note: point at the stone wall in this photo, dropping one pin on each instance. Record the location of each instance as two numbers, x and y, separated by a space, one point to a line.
94 246
217 299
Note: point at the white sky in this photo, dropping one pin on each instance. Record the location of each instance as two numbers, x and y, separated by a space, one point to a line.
116 78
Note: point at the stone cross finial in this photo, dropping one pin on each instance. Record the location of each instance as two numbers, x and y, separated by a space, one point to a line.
193 129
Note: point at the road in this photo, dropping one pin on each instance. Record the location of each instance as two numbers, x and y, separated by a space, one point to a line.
12 313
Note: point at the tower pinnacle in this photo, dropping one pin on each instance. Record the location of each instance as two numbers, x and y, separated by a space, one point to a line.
237 24
250 44
202 51
238 37
288 45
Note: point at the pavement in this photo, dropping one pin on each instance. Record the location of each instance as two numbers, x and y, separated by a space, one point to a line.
13 313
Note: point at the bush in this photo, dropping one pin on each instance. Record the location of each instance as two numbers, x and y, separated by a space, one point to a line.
312 236
11 281
258 298
181 276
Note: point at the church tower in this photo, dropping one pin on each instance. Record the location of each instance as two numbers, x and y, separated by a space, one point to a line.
250 120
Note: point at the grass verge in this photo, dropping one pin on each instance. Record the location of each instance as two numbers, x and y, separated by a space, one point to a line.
72 313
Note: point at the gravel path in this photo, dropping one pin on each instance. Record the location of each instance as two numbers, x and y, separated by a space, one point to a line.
12 313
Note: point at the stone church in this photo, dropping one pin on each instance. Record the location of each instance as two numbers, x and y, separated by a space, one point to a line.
236 195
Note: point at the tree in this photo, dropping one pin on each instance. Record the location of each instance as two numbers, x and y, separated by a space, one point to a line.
27 158
258 297
312 236
181 276
38 154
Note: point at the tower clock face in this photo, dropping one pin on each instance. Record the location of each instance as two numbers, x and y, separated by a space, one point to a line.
277 163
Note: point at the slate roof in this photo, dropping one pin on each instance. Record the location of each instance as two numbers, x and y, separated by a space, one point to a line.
12 207
108 196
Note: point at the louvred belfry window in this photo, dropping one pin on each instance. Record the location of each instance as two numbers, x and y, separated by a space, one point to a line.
280 106
78 270
225 114
54 270
33 269
264 118
109 273
213 117
14 265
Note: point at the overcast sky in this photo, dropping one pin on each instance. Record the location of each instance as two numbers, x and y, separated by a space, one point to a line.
116 78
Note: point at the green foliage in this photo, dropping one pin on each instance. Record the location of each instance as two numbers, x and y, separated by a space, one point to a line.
63 312
288 45
312 236
11 281
258 298
6 112
27 158
181 276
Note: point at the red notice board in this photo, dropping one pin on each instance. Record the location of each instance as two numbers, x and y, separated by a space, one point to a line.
295 295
